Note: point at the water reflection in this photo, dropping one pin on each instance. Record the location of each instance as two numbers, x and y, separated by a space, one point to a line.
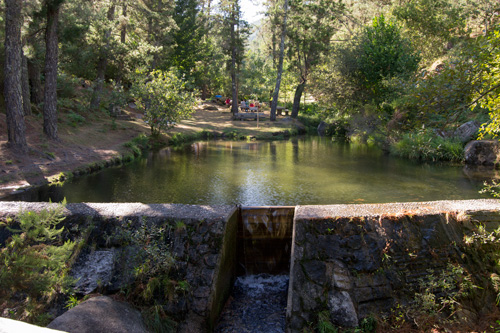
298 171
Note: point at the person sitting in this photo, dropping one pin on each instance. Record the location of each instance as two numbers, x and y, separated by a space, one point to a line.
228 101
243 105
252 105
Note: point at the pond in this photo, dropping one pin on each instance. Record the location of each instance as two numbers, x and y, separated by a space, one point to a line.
300 171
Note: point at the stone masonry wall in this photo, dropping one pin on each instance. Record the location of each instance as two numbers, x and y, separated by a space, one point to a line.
201 239
357 260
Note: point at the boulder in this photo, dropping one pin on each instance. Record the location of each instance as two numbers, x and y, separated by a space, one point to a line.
211 108
100 315
322 128
482 152
467 131
301 129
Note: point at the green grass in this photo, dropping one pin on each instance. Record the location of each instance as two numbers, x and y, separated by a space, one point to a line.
426 146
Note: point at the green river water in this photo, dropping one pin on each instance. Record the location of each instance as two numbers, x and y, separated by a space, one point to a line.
296 172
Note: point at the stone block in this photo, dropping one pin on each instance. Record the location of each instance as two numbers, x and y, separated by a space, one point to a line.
363 294
93 270
341 278
342 310
202 292
315 270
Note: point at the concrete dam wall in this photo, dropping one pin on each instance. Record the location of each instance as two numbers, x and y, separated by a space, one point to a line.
349 261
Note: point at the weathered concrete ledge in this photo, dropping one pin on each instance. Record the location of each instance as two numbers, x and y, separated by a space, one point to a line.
109 210
405 208
355 261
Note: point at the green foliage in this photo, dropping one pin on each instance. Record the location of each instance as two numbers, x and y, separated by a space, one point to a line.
383 53
72 302
491 188
431 23
163 98
324 323
444 97
233 134
425 145
489 67
441 292
35 262
157 320
368 325
138 144
156 259
75 119
366 75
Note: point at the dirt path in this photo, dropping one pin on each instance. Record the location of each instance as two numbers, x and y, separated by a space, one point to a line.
101 139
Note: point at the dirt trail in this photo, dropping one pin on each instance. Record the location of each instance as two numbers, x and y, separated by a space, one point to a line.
101 139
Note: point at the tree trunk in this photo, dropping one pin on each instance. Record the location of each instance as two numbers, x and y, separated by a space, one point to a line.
234 107
16 129
296 99
51 59
35 82
123 33
274 103
25 86
102 64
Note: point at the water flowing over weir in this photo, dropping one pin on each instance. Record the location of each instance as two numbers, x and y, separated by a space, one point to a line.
259 296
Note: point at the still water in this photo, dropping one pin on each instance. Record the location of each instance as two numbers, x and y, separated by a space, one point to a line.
283 173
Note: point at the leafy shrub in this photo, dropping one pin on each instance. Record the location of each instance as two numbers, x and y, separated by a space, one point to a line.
163 98
34 263
66 85
427 146
75 119
138 144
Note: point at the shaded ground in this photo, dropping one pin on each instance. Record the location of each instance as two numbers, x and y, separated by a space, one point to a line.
100 138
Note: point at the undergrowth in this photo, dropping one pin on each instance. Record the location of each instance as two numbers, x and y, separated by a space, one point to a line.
426 146
35 264
153 286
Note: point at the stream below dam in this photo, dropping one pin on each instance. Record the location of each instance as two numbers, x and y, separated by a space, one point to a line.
257 304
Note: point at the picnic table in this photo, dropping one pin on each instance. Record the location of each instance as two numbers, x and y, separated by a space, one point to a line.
280 110
247 108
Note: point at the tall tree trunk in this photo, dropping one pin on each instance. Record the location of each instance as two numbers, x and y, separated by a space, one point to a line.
51 59
16 129
102 64
25 85
296 99
123 38
35 82
123 33
234 107
274 103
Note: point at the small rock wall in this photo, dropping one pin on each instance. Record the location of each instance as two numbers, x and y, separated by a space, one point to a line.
202 240
358 260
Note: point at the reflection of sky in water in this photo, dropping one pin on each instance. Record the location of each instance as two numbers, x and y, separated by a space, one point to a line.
309 171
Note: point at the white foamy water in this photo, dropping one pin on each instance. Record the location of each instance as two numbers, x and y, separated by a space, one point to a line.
257 304
256 285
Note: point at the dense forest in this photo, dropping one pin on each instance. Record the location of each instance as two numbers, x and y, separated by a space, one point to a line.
401 74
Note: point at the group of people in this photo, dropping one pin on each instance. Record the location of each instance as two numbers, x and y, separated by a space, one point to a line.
244 104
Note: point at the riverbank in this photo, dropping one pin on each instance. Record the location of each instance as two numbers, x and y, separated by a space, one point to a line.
99 138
